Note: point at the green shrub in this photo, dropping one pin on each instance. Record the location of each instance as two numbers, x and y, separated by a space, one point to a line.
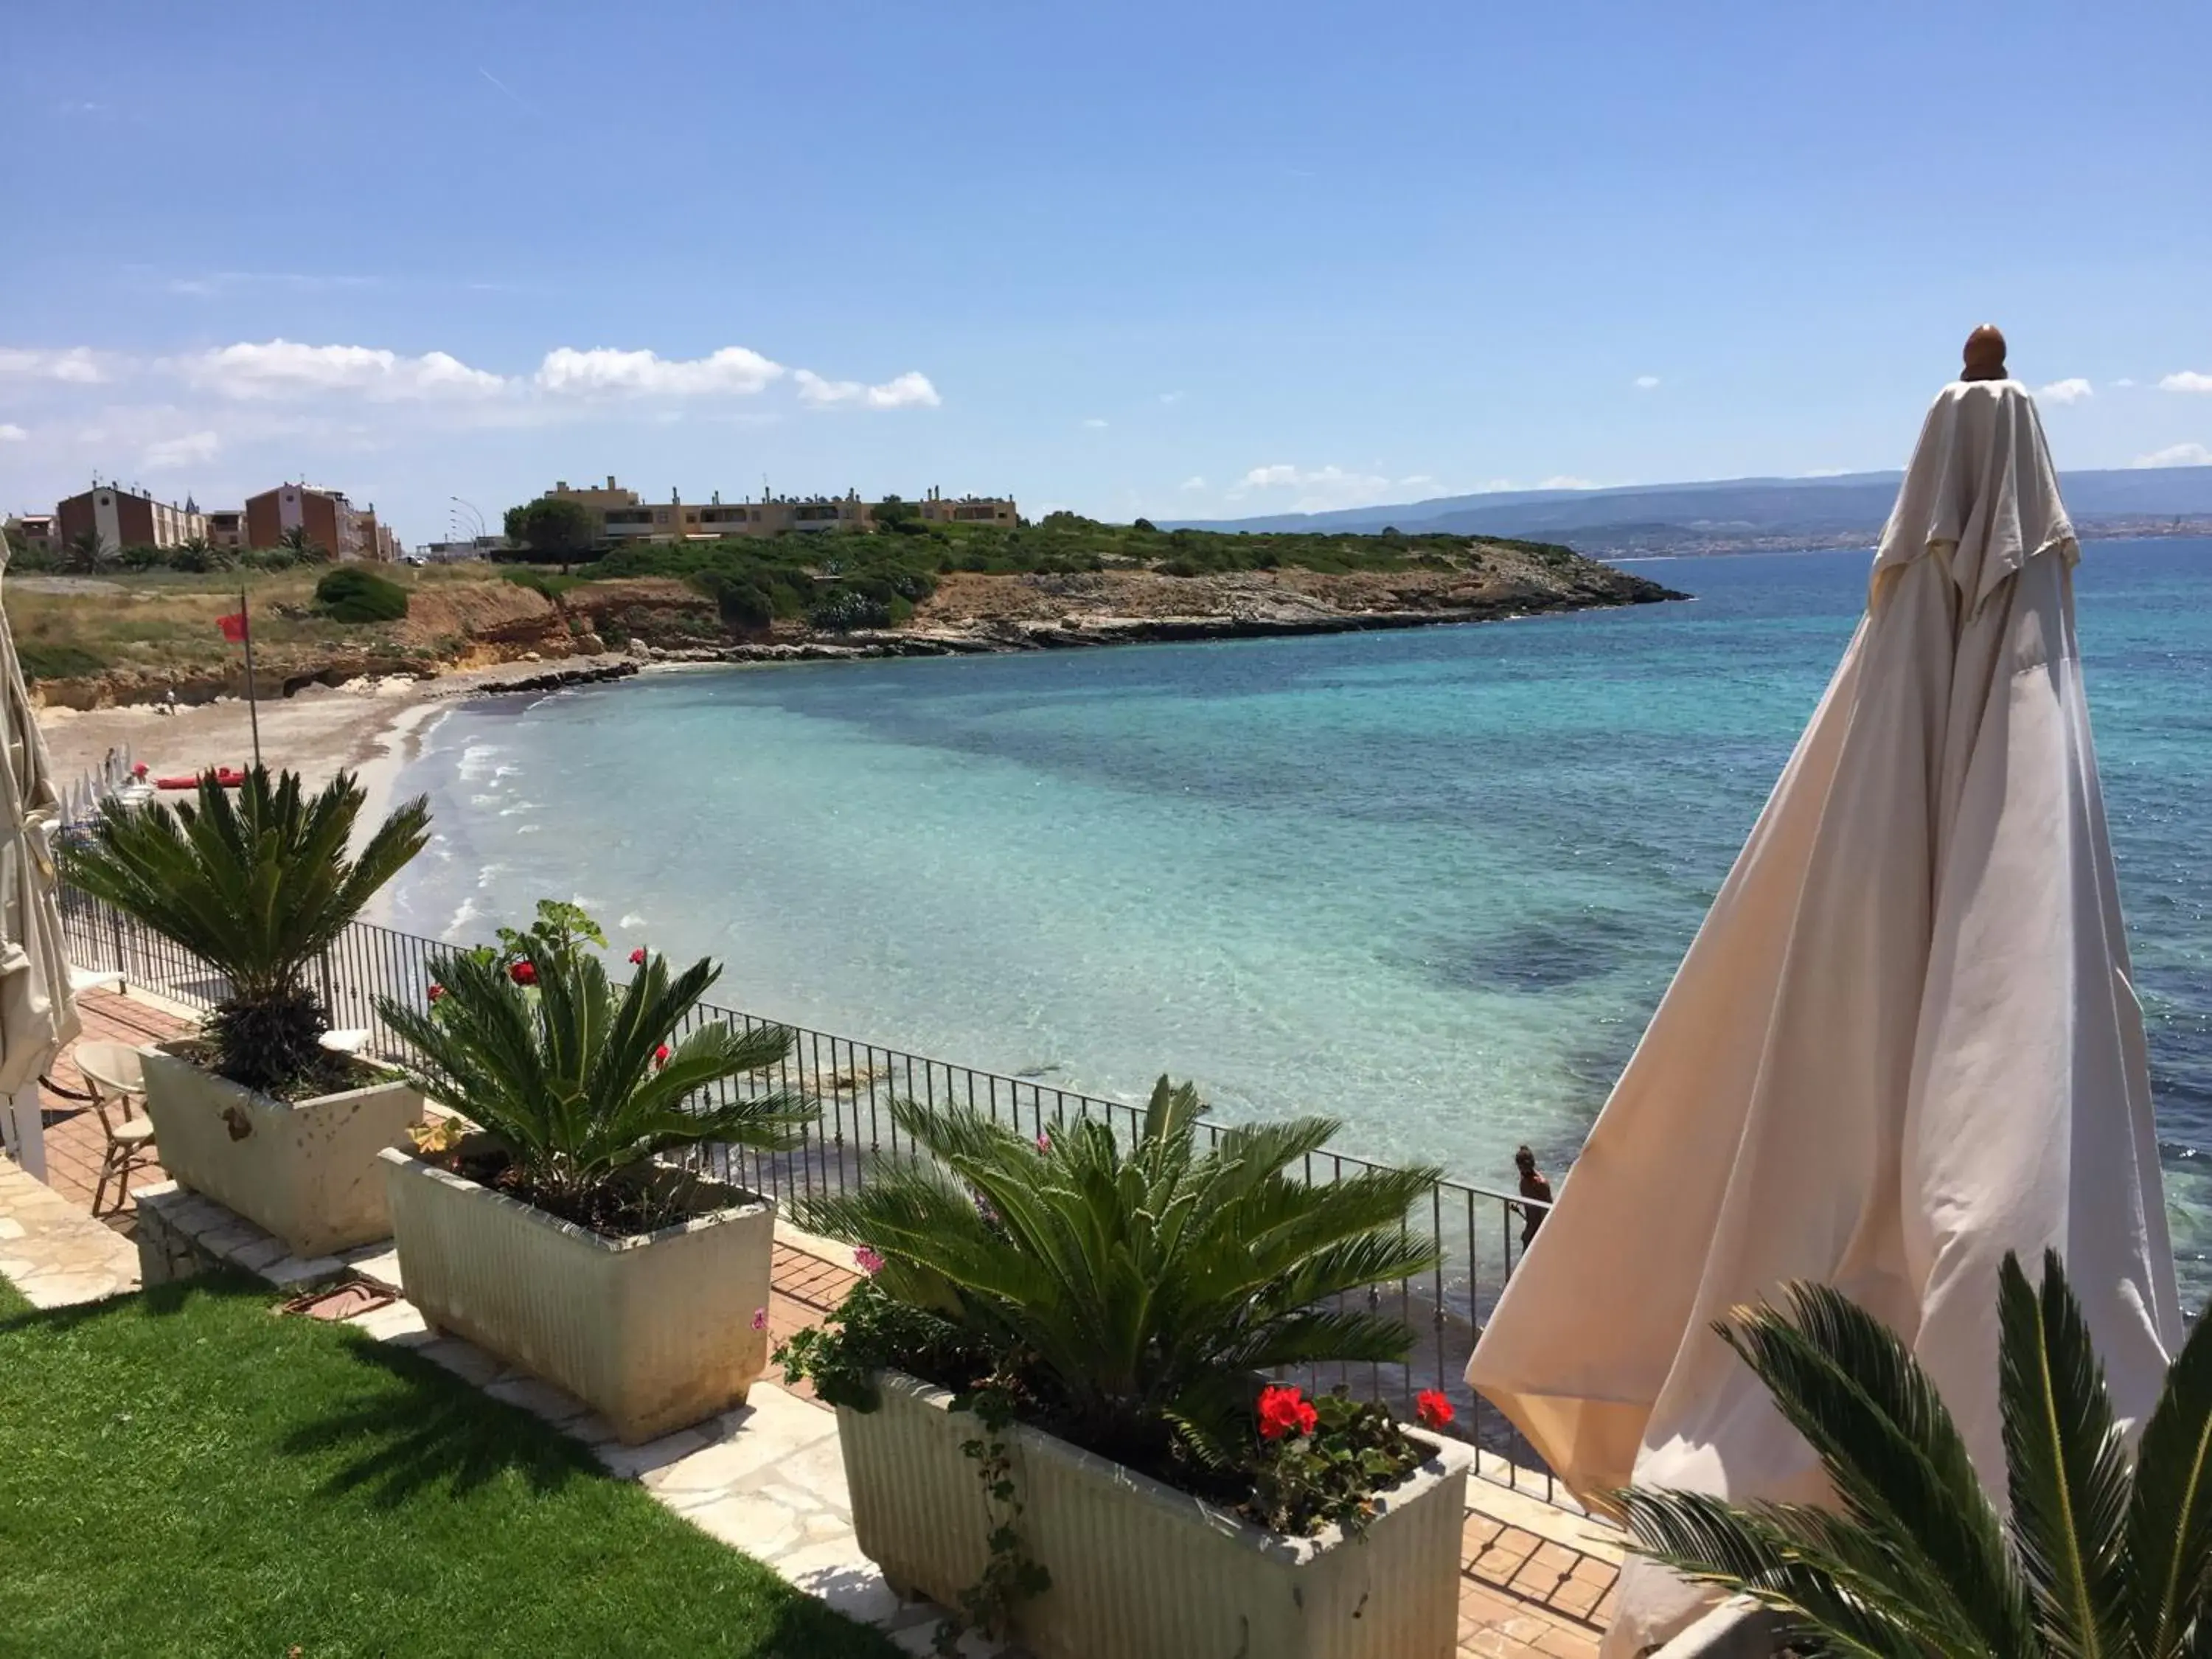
1130 1299
842 608
57 662
257 883
579 1085
352 594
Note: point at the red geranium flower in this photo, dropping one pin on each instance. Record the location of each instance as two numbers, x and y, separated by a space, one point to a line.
436 990
1434 1410
637 957
661 1055
1286 1410
524 973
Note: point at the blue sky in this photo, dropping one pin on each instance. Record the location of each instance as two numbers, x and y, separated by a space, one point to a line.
1189 260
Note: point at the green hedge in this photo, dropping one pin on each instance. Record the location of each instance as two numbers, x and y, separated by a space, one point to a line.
57 662
351 594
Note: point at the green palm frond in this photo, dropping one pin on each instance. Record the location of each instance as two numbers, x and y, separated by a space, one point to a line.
2068 1472
257 886
2100 1559
1145 1279
568 1074
2169 1542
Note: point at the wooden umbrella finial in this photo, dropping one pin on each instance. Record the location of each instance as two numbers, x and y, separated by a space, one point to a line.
1985 353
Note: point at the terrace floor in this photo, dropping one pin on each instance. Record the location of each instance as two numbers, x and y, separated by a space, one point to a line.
1536 1578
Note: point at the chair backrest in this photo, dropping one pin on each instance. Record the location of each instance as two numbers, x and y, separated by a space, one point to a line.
113 1069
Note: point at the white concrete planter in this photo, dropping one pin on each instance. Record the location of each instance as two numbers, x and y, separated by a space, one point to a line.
656 1331
1140 1570
303 1169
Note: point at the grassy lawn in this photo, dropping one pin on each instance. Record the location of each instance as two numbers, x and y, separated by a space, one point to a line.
183 1473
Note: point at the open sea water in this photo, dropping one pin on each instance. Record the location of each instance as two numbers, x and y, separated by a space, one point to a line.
1430 882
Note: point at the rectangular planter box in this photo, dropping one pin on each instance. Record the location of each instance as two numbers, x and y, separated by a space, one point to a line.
1140 1570
303 1169
655 1332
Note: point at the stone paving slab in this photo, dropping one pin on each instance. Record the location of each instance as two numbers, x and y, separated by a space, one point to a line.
53 1251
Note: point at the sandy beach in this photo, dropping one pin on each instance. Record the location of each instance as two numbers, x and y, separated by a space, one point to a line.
369 727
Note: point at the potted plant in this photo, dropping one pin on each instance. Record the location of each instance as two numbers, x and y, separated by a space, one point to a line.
1051 1401
2100 1552
254 1111
548 1227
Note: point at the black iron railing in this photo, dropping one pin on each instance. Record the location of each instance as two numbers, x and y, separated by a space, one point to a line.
1476 1230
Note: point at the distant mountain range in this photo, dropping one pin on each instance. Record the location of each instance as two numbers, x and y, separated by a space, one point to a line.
1744 514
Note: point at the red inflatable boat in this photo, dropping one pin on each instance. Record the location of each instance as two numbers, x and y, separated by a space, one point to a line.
228 776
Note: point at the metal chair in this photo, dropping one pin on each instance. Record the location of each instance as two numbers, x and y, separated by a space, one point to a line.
116 1077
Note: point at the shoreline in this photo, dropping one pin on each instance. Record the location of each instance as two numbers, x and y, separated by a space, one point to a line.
372 725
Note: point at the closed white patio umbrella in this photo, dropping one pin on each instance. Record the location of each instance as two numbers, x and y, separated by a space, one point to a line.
37 1013
1904 1042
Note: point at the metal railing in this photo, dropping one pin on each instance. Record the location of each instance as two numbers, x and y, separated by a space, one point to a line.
1475 1230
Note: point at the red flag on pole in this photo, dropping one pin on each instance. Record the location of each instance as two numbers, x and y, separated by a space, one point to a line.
233 626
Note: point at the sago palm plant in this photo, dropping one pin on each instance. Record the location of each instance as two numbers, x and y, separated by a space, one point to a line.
257 887
1144 1287
2102 1557
580 1082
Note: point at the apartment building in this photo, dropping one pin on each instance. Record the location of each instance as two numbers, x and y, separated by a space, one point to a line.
34 530
227 530
936 508
624 516
330 521
127 518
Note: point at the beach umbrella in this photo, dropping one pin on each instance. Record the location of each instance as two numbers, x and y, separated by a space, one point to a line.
1904 1042
37 1013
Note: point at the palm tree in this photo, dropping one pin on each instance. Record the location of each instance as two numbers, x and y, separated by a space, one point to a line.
580 1086
86 550
298 543
256 888
2100 1559
1147 1286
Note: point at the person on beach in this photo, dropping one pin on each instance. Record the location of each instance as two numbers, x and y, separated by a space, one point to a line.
1532 1185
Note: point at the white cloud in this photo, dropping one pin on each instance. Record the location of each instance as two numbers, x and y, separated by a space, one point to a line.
78 365
1195 482
224 281
2124 381
1321 488
11 434
1567 481
2066 392
287 368
180 452
2186 381
734 371
1647 382
1094 424
1173 397
2178 455
911 390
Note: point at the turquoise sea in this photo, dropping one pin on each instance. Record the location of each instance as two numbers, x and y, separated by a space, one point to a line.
1430 882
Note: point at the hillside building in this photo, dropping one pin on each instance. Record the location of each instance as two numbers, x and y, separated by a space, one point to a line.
624 516
330 521
127 518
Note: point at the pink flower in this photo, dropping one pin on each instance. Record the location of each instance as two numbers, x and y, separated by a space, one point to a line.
1044 1142
869 1262
661 1056
1434 1410
637 957
523 973
436 990
1286 1410
760 1319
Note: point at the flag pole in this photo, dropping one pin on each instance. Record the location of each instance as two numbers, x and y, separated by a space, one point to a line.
253 707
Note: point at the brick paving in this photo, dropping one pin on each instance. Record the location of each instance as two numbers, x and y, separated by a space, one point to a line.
1534 1579
75 1143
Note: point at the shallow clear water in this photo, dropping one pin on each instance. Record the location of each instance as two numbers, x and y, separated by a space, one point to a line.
1432 882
